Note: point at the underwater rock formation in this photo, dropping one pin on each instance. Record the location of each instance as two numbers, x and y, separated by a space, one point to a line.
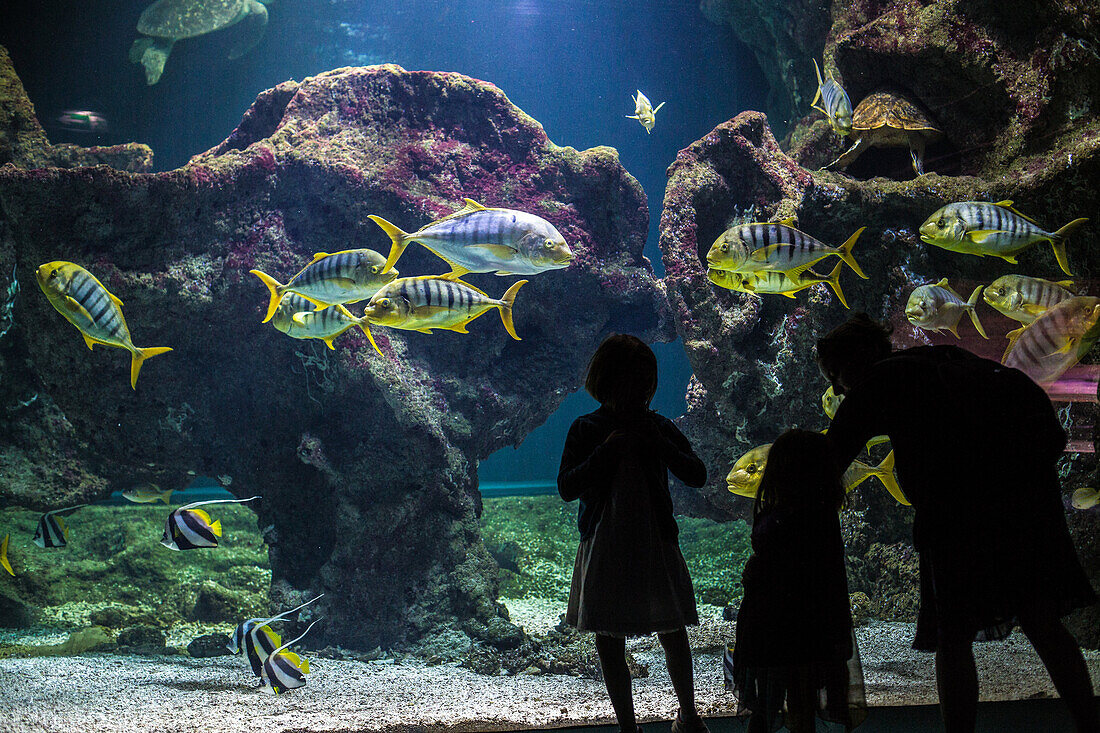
367 464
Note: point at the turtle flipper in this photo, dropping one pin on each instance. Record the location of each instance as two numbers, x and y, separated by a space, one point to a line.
849 156
151 53
253 23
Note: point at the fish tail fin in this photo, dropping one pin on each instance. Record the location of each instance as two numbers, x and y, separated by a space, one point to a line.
885 472
276 293
400 240
972 309
509 298
1058 242
165 496
138 357
820 83
845 252
364 324
834 282
4 556
216 528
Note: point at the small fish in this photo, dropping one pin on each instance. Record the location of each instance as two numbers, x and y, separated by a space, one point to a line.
4 556
981 228
188 528
83 120
256 639
331 279
1023 298
480 239
297 318
644 111
284 670
51 530
1083 498
1052 343
744 478
427 302
838 107
76 294
147 494
938 307
830 401
775 247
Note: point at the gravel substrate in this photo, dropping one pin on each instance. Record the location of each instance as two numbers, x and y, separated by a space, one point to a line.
168 694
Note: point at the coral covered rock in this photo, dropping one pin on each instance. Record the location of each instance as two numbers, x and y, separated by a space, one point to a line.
367 464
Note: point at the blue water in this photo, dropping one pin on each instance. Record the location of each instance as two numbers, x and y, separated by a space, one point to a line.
571 64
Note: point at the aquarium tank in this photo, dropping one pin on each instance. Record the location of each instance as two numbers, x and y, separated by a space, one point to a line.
297 299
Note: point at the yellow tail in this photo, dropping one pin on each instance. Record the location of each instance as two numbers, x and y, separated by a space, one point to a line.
509 299
1058 242
845 252
885 473
276 289
400 240
972 309
364 323
4 556
834 282
138 357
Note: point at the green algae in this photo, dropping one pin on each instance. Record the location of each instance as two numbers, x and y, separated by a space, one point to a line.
115 569
534 539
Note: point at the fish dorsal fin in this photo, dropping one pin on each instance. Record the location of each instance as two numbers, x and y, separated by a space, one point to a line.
63 526
318 256
301 664
1007 204
201 515
471 205
457 281
109 293
788 222
1068 285
942 283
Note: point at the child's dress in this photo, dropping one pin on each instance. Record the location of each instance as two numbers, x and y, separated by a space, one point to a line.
629 577
794 622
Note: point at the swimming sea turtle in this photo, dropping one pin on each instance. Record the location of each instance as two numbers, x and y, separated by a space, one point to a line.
884 120
167 21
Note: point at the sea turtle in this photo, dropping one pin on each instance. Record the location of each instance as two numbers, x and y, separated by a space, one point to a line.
885 119
167 21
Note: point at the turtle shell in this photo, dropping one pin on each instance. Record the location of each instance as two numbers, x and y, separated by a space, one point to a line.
885 109
178 19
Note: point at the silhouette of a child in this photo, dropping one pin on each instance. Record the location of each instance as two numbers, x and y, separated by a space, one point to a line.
630 578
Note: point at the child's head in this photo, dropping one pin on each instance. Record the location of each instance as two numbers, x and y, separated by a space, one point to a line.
622 373
800 471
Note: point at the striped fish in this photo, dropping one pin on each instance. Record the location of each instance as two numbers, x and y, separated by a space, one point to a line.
427 302
729 677
330 279
830 403
285 670
776 283
4 556
981 228
51 530
775 247
837 106
478 239
744 478
938 307
256 639
1023 298
1052 343
76 294
297 318
189 528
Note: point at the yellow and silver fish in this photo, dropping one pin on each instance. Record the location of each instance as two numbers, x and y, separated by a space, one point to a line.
830 403
838 107
427 302
775 247
981 228
330 279
775 283
1052 343
937 307
147 494
297 318
1023 298
644 112
480 239
76 294
1083 498
4 556
744 478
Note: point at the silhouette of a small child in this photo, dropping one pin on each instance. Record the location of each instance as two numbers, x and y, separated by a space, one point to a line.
630 577
794 627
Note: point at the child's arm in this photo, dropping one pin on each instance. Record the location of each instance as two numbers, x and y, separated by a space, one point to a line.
584 465
675 450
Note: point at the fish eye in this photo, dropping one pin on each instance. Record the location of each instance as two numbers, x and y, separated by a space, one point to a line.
374 269
725 247
942 222
385 302
549 244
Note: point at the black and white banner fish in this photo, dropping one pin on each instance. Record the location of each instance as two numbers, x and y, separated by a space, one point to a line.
256 639
285 670
189 528
51 530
